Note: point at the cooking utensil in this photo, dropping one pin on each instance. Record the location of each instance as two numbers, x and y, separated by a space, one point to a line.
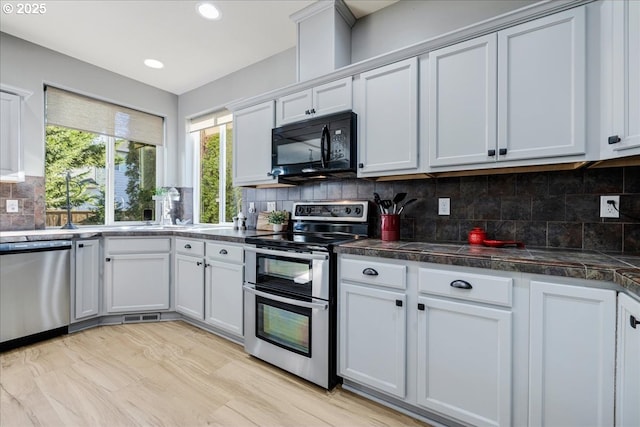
397 199
377 201
407 203
386 204
503 243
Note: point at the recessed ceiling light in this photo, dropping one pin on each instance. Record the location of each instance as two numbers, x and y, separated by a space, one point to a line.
153 63
208 10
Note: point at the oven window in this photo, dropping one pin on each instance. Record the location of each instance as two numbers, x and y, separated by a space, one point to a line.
285 274
284 325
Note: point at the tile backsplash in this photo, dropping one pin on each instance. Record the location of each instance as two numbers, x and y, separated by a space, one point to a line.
31 204
542 209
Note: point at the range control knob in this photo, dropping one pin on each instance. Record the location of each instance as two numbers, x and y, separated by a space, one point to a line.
358 211
299 210
347 210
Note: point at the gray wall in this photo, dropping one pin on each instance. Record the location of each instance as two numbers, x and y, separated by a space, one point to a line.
412 21
272 73
28 66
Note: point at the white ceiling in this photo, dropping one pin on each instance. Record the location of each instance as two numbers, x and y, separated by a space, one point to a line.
120 35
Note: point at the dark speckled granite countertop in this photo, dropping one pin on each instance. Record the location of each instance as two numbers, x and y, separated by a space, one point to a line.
623 270
199 232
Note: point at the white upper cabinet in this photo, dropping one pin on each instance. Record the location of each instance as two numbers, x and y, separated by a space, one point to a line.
628 368
11 162
387 107
541 87
620 22
462 102
517 94
252 144
321 100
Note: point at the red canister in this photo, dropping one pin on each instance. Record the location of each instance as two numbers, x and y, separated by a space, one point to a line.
390 227
477 236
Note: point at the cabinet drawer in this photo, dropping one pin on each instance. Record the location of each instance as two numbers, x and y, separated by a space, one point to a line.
225 252
190 247
138 245
467 286
375 273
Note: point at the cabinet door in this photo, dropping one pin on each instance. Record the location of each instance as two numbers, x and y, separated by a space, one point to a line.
10 144
87 281
294 107
541 87
621 78
189 286
572 355
628 365
252 145
462 103
333 97
224 303
137 282
464 361
388 120
373 337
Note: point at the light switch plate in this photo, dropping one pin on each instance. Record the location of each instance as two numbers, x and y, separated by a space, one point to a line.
271 206
12 206
444 206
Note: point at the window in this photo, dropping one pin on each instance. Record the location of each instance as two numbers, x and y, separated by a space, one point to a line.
217 201
106 154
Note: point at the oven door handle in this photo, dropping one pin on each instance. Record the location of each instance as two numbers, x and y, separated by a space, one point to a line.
319 306
294 255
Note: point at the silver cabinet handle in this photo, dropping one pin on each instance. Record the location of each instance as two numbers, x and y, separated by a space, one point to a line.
223 252
461 284
319 306
187 246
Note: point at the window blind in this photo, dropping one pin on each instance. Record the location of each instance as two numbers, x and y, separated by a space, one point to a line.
80 112
210 120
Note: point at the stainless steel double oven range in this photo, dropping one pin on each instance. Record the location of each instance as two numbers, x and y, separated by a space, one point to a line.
290 289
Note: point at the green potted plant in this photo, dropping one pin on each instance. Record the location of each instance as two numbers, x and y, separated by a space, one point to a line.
277 218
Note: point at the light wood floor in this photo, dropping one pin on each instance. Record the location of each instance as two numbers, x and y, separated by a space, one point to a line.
166 374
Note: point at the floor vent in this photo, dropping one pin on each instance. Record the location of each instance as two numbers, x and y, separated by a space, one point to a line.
137 318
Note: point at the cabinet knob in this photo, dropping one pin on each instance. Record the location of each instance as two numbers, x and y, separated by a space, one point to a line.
502 151
313 111
108 259
398 303
491 153
199 263
614 139
369 272
461 284
421 306
307 112
187 246
360 165
223 252
81 245
633 321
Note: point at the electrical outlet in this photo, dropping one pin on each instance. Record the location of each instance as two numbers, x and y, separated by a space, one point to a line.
252 207
12 206
606 209
444 206
271 206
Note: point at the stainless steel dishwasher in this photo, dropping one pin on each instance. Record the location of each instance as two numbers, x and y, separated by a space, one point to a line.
35 282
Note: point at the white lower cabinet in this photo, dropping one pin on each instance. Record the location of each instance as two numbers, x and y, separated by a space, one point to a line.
136 274
572 355
628 363
464 349
373 337
86 296
223 287
189 277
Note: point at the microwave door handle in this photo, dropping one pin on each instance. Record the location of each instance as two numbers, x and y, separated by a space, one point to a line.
312 305
324 146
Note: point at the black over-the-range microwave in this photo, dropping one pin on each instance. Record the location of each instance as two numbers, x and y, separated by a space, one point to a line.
318 147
